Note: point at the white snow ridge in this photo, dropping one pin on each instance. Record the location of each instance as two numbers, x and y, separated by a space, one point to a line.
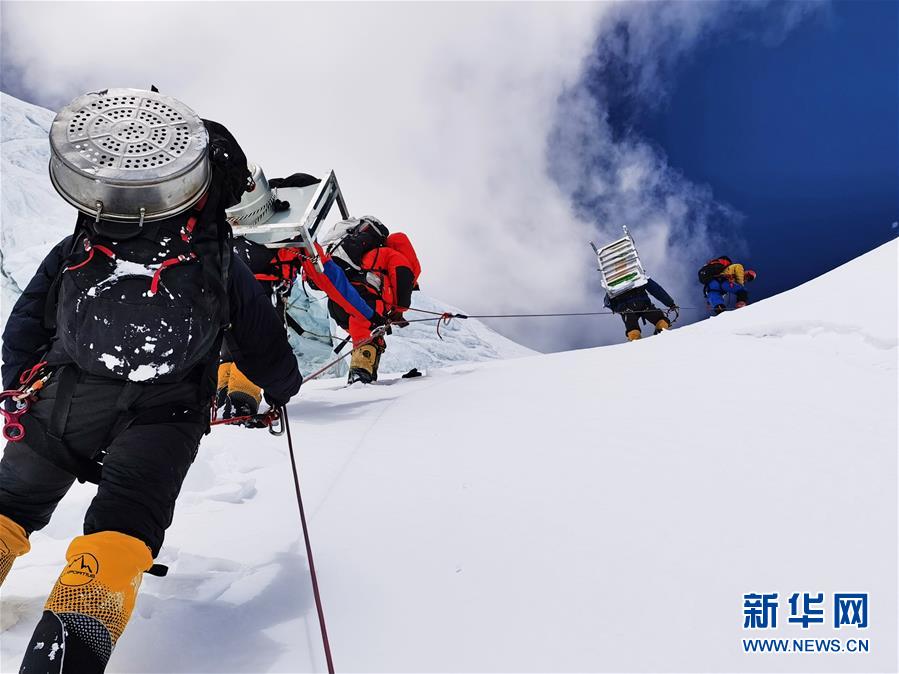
594 510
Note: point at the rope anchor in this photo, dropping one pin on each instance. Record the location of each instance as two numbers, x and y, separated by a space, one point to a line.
446 319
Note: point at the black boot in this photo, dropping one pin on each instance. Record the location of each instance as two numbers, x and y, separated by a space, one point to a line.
358 374
67 643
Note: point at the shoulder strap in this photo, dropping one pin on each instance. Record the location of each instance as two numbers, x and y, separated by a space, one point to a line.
50 304
217 248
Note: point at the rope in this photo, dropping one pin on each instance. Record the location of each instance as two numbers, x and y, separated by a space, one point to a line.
269 418
375 334
441 314
315 334
313 576
445 317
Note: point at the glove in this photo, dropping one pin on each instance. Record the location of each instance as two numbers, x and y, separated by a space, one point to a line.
274 400
377 320
397 319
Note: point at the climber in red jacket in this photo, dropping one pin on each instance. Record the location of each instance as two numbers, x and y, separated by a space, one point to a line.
383 269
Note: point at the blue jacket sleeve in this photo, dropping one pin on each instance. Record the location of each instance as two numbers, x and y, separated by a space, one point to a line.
25 337
659 293
342 284
257 337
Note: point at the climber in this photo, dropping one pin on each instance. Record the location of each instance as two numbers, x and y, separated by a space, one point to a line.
383 269
634 305
722 277
111 351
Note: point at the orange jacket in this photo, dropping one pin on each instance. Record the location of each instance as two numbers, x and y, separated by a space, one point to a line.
396 268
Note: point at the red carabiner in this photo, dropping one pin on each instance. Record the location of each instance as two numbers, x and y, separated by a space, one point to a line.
13 430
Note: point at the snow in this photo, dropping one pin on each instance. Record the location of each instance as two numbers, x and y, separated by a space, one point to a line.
111 361
32 216
149 371
596 510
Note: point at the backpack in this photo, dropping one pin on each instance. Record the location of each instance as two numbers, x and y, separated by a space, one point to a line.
713 269
151 305
349 241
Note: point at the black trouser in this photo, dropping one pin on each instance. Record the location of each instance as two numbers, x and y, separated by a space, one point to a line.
636 306
652 315
150 432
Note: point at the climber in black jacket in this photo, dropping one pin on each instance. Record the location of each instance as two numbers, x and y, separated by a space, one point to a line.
149 432
635 305
116 340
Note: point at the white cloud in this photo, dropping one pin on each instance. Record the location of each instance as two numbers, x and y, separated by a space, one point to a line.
444 120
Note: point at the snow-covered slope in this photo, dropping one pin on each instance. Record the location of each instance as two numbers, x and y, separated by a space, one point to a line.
599 510
34 217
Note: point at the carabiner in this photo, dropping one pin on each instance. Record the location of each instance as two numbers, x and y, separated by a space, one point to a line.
275 422
13 430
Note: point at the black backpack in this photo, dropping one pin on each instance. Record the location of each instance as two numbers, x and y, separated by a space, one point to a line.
713 269
151 305
355 243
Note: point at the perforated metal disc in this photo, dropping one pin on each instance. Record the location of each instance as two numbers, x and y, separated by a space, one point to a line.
256 207
129 149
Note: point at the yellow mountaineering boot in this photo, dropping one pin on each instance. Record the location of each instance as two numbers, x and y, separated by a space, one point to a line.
364 364
13 543
221 387
90 604
236 395
661 324
245 396
633 335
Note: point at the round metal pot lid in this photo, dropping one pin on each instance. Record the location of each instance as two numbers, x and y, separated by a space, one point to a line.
128 138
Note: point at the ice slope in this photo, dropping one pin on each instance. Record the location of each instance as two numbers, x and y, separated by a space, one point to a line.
34 217
597 510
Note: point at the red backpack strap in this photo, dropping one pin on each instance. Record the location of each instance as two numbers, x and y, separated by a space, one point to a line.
91 249
187 231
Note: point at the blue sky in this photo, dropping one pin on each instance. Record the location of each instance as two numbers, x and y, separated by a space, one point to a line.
799 133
